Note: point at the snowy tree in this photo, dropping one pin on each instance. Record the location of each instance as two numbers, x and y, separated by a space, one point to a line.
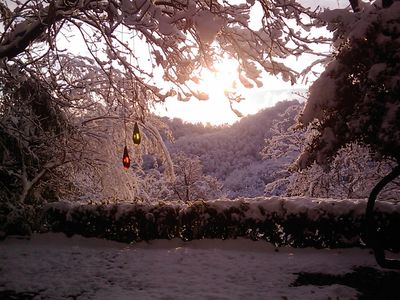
357 97
112 60
35 142
51 150
177 39
285 139
352 173
152 186
103 177
190 183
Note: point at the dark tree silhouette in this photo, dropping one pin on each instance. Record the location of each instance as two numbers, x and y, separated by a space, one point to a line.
357 97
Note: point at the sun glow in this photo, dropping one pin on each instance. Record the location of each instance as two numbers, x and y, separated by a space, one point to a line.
214 83
217 109
223 78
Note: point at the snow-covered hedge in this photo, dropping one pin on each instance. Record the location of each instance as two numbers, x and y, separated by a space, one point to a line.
296 221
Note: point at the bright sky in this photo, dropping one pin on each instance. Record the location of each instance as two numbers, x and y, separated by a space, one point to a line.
217 111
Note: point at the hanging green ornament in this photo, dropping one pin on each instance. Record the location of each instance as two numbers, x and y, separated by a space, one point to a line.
136 137
126 161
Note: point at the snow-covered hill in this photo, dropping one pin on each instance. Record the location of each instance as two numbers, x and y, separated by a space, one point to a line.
232 154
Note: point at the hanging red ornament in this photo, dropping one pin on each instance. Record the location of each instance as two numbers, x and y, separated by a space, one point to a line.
126 161
136 137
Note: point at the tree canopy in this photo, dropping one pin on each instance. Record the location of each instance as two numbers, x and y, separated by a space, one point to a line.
357 97
141 38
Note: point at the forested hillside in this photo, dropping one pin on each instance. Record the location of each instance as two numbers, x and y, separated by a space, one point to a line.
233 153
253 157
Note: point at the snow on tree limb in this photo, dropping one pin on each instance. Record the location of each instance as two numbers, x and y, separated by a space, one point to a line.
182 37
356 99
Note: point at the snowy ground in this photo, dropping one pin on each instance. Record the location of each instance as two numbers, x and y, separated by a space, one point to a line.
52 266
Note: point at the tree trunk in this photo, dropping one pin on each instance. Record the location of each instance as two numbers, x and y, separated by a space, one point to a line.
371 227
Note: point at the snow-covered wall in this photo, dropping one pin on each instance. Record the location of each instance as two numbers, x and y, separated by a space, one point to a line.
295 221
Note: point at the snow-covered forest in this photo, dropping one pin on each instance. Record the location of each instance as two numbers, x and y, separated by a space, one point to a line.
84 151
259 162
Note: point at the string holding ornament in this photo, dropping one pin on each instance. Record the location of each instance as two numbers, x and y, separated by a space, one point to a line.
136 136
